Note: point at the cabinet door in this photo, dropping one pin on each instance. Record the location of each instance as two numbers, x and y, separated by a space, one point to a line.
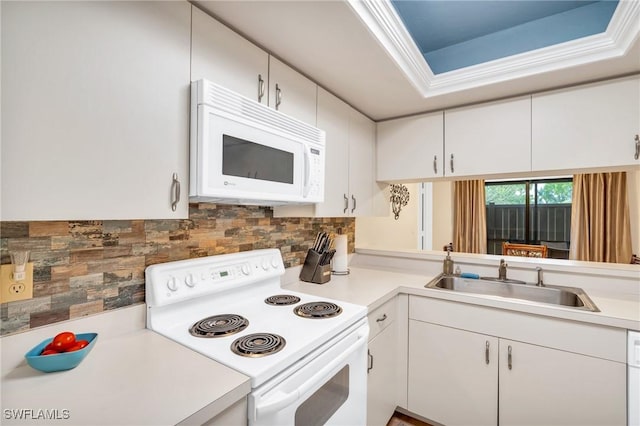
551 387
383 377
488 139
333 118
362 139
411 148
586 127
226 58
292 93
453 375
95 101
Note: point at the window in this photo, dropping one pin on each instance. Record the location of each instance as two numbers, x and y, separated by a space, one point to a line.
530 212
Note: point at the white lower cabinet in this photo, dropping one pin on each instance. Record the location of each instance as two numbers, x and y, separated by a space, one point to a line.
459 376
546 386
450 381
383 373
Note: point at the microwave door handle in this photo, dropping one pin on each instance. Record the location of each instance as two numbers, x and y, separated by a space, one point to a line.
282 399
307 173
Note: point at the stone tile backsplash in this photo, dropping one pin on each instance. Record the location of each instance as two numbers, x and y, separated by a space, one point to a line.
86 267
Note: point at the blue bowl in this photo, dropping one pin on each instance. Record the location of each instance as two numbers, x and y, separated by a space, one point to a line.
62 361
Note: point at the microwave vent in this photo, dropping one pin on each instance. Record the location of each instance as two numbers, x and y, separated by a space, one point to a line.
231 103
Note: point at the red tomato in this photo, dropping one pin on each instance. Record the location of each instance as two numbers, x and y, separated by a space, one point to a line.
63 340
49 352
77 346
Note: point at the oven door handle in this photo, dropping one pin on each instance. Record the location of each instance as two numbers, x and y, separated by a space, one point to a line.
282 399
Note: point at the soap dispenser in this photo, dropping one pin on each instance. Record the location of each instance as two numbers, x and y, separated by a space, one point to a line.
447 267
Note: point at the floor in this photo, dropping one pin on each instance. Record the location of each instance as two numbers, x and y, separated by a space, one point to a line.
400 419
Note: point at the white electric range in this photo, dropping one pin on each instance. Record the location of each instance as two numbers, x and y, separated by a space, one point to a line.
306 356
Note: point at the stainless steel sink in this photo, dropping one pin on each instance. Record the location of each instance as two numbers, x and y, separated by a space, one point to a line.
563 296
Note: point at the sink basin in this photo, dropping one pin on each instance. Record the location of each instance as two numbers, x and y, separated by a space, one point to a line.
562 296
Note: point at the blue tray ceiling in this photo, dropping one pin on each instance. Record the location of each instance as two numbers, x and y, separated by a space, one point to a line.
454 34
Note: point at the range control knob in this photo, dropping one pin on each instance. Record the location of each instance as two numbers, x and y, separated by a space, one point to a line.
172 284
245 269
190 280
274 262
265 264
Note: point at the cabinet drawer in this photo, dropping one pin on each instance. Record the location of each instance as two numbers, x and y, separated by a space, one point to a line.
587 339
382 317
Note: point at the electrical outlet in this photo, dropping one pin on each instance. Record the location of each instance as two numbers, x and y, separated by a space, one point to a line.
11 290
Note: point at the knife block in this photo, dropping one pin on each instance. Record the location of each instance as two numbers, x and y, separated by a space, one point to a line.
312 271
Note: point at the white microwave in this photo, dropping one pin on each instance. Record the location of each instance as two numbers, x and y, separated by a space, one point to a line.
243 152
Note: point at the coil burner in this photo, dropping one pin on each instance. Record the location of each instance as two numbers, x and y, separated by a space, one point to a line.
318 310
219 325
258 345
282 299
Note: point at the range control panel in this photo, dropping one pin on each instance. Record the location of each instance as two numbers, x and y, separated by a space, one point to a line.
171 282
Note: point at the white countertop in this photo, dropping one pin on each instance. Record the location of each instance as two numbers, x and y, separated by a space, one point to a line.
132 376
135 376
372 287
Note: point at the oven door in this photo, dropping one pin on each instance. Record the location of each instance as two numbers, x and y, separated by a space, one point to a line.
331 389
237 159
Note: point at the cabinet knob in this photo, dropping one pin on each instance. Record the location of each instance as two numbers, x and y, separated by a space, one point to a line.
435 164
346 204
354 203
637 155
382 318
486 352
509 358
370 366
451 163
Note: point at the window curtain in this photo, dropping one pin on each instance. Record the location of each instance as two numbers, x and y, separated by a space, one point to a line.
600 224
470 217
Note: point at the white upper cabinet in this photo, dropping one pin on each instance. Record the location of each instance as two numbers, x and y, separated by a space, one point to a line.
350 186
291 93
410 148
362 165
333 118
591 126
488 139
226 58
95 104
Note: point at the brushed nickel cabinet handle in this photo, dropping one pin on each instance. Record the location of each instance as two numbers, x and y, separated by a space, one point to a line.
509 358
382 318
486 352
354 203
346 204
451 163
370 363
175 186
637 155
278 96
435 164
260 88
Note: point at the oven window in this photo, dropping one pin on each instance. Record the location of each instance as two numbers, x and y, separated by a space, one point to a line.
320 406
251 160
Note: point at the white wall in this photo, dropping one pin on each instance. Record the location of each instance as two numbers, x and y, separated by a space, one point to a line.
442 214
386 232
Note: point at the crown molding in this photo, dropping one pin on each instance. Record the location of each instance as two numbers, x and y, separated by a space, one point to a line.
388 29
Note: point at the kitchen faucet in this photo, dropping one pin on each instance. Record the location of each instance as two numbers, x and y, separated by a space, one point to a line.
539 282
502 270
